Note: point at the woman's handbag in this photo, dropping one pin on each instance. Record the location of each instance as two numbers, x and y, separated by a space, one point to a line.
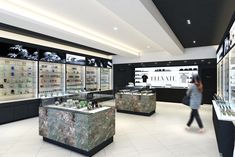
186 100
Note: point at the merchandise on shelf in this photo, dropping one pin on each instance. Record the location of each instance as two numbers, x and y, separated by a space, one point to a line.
92 78
105 79
51 79
75 78
17 79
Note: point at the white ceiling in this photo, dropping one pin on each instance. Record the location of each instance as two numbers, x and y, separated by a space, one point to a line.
141 28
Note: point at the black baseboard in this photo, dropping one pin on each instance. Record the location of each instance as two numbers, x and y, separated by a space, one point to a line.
87 153
136 113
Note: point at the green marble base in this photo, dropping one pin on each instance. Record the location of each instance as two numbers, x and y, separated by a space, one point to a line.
141 104
78 128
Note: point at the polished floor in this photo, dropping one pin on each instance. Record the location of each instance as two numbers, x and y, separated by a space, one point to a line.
161 135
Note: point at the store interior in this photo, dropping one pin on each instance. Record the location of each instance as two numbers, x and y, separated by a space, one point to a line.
110 78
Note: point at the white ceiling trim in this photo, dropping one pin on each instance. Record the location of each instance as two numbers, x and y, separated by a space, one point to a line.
31 12
146 18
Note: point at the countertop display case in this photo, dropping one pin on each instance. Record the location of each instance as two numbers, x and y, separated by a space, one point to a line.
135 102
105 78
79 128
51 79
18 79
92 78
75 78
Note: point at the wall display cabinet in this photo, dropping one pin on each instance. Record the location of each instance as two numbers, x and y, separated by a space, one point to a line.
51 79
92 78
75 78
224 103
226 77
17 79
105 78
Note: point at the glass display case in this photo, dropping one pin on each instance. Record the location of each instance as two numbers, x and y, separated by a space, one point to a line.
75 78
18 79
51 79
226 77
232 75
92 78
105 79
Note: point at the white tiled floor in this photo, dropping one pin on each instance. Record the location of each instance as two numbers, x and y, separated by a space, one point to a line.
161 135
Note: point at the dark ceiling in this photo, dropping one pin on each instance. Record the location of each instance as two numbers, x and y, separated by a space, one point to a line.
209 19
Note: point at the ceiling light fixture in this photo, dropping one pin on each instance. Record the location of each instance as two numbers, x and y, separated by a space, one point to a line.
189 22
31 12
115 28
194 41
148 47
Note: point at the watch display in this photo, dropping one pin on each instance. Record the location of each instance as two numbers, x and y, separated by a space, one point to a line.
92 78
51 79
17 79
105 79
75 78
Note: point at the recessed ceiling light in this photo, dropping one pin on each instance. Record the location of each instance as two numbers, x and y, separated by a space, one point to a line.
194 41
115 28
148 46
189 22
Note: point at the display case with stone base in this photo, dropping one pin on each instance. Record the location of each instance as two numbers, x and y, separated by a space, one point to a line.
81 130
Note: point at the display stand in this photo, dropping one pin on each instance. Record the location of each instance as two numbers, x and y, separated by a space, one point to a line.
81 130
136 103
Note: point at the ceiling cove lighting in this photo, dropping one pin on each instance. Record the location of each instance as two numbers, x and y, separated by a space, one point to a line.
33 13
189 22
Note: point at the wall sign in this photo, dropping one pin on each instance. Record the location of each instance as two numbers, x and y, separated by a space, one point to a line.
73 59
49 56
91 61
105 63
232 35
18 51
165 77
228 41
220 53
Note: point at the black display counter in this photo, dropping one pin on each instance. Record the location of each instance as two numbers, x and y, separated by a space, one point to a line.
17 110
224 131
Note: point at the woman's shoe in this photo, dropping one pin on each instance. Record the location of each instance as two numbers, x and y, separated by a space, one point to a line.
187 128
201 130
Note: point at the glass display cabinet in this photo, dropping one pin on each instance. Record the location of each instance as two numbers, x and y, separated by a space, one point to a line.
17 79
92 78
75 78
51 79
105 79
226 77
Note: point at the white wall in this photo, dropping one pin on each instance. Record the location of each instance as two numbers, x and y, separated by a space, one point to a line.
190 53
